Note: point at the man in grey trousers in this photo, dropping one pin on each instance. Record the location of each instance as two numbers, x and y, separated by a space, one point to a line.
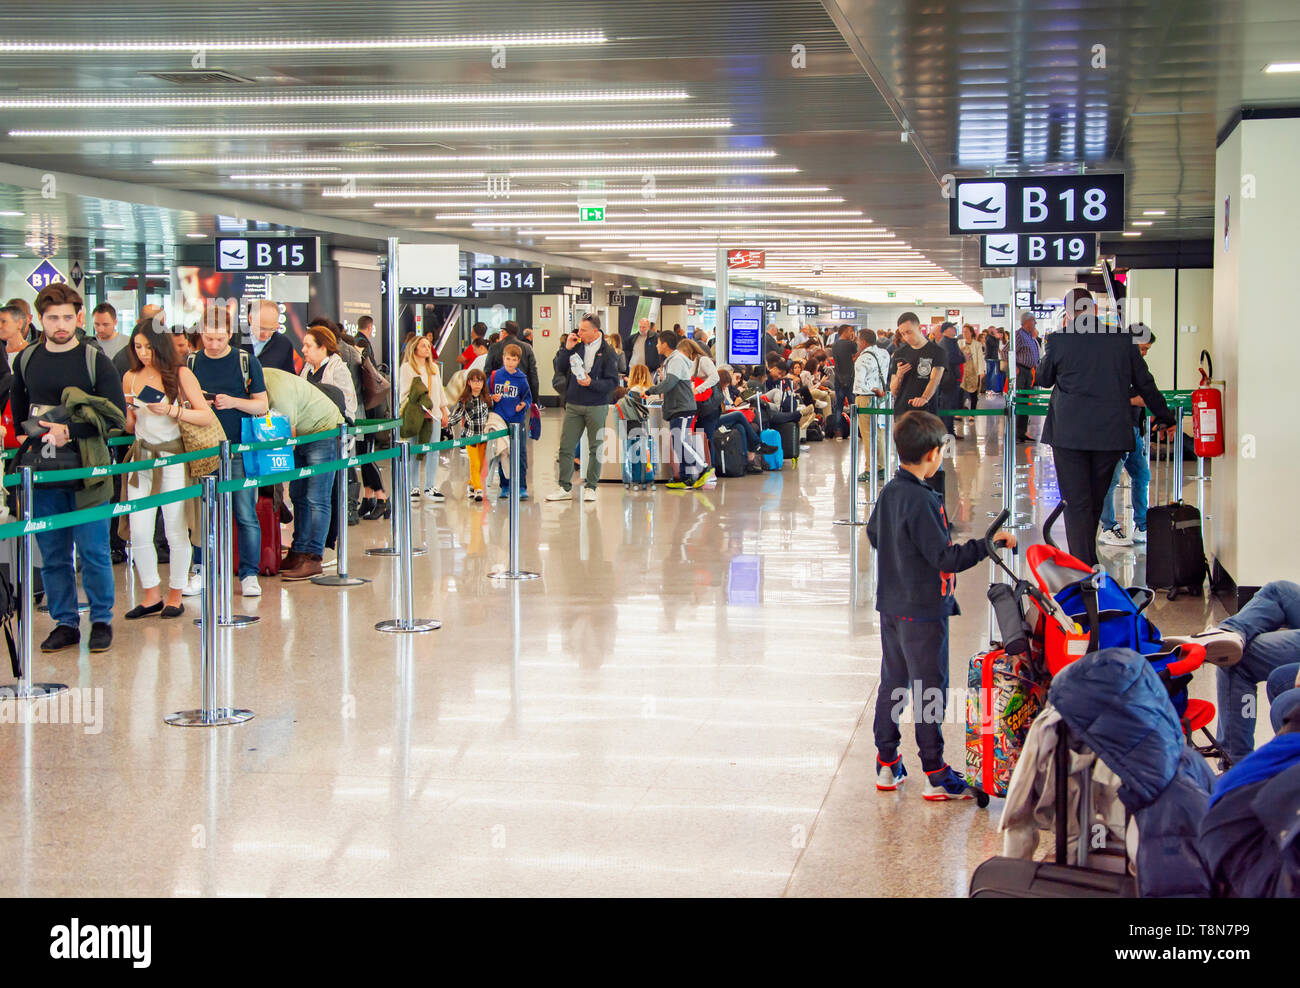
591 368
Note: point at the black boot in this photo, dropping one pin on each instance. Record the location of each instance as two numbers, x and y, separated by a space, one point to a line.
367 506
383 509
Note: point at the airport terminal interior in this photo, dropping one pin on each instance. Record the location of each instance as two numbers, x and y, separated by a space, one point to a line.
788 310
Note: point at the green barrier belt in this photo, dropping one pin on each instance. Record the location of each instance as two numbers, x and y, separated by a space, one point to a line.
456 443
366 426
80 473
302 473
314 437
121 440
71 518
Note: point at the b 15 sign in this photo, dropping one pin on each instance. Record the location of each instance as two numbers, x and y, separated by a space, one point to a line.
737 259
270 255
1043 204
1011 250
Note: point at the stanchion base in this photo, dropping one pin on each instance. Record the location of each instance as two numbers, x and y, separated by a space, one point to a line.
417 550
397 626
339 581
507 575
38 690
221 717
236 621
845 521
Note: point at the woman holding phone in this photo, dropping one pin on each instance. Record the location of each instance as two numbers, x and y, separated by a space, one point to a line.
161 392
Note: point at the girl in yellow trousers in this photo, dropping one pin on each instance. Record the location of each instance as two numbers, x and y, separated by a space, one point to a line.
471 411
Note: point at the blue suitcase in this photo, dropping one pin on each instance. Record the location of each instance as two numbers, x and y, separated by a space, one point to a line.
638 459
772 461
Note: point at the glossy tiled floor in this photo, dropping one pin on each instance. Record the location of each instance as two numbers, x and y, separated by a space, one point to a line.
680 706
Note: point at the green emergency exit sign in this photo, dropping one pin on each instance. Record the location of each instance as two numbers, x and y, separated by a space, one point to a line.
591 214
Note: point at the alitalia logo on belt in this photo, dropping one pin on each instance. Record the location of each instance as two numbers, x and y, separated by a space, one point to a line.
304 472
121 509
98 471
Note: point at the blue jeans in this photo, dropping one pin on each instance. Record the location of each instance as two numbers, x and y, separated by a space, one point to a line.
311 498
523 468
1136 465
57 568
1283 693
1270 623
990 373
243 506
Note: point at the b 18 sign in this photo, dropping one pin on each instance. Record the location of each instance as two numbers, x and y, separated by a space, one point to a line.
270 255
1012 250
1043 204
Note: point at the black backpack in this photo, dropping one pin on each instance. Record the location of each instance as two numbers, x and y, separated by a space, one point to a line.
8 608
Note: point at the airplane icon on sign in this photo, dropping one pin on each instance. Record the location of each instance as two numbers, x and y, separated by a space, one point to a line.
1008 250
982 206
1002 249
234 254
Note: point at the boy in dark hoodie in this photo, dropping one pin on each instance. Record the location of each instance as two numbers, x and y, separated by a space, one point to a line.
918 566
512 399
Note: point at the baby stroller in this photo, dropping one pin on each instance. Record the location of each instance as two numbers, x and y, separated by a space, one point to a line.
1085 610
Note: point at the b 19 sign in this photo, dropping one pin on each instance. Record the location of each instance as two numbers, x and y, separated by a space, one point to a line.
1012 250
1044 204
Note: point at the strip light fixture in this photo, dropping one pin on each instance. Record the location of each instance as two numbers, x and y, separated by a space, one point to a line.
520 173
692 216
439 159
370 129
645 204
617 192
531 39
344 99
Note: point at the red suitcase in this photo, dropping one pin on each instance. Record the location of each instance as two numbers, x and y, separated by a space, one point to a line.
269 521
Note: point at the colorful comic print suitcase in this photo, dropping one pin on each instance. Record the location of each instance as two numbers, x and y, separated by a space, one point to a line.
1004 694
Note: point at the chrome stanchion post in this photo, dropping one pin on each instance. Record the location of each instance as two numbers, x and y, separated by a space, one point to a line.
25 689
889 434
340 577
1178 459
852 519
516 447
405 623
225 558
873 454
209 714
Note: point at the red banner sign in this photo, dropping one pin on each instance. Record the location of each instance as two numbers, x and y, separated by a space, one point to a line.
745 259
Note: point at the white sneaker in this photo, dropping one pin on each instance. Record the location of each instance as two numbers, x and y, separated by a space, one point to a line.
415 493
1114 536
195 585
1139 536
589 495
1222 647
560 494
433 494
249 587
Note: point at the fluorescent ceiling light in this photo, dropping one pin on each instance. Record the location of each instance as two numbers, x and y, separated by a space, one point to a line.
1141 223
11 212
646 204
488 97
269 45
390 159
616 192
1153 212
689 215
99 250
1131 233
112 226
197 235
518 173
355 130
8 255
1275 67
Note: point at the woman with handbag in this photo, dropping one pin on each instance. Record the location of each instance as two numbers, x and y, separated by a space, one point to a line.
167 414
419 366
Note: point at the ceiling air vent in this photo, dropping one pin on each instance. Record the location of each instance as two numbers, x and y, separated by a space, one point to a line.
200 77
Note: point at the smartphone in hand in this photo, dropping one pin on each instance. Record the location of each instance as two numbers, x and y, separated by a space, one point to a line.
149 396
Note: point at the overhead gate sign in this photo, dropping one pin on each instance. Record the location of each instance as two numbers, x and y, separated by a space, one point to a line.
737 259
1041 204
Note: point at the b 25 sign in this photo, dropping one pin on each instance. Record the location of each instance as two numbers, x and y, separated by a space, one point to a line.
270 255
1043 204
1019 250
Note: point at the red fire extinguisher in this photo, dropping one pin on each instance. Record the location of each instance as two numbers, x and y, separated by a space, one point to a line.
1207 413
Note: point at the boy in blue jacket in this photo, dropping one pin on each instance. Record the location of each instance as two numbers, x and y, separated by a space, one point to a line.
918 565
512 399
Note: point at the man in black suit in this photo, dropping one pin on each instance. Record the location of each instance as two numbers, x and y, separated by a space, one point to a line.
1092 373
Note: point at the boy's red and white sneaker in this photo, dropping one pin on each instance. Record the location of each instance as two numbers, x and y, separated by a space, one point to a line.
890 775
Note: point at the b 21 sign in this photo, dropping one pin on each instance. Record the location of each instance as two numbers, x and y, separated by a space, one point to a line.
1043 204
1019 250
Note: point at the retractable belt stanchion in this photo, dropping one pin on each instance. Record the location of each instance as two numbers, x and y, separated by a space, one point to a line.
873 455
404 623
25 689
516 445
225 557
1178 458
340 577
889 435
852 519
209 714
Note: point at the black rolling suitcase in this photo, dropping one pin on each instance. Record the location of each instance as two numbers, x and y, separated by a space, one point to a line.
789 440
1175 550
1018 878
729 453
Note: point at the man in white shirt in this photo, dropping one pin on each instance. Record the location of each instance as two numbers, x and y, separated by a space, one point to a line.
870 379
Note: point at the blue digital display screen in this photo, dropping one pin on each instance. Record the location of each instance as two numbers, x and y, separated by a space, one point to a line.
745 334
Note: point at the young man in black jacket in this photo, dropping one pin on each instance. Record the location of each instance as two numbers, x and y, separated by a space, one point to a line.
586 402
918 566
1093 371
